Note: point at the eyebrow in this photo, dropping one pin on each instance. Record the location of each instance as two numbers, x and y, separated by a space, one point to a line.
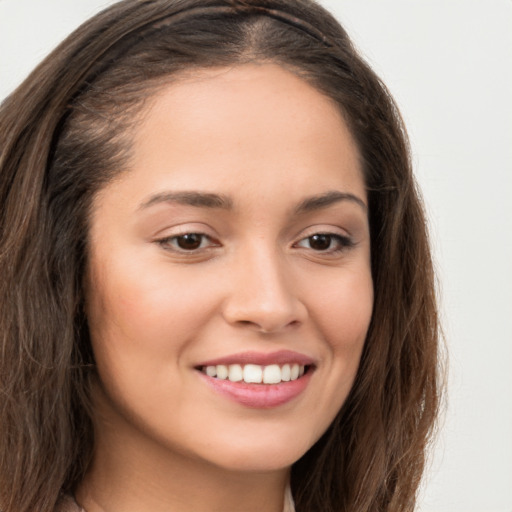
199 199
327 199
210 200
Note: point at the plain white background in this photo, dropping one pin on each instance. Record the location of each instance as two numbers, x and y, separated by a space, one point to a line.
449 65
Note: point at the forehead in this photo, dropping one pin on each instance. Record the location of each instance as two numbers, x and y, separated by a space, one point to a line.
257 95
247 127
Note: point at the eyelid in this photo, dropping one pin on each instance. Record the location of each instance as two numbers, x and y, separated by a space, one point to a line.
166 238
183 228
169 245
323 229
344 240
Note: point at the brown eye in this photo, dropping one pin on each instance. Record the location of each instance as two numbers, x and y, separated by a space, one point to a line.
188 244
329 243
320 242
190 241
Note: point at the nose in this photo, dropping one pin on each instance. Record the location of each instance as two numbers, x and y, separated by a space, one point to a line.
263 295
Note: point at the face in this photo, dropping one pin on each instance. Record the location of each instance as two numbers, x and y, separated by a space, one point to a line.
229 289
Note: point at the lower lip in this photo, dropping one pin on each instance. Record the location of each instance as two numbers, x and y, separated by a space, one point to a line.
260 396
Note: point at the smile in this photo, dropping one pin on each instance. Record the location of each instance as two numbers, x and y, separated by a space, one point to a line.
256 374
259 380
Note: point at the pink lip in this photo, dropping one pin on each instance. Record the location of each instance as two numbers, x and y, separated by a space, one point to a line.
259 396
263 396
280 357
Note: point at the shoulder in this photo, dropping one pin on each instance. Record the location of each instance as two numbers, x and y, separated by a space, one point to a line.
68 504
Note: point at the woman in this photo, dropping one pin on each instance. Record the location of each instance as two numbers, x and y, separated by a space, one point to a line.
216 283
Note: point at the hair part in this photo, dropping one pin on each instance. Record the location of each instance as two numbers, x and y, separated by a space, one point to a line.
65 133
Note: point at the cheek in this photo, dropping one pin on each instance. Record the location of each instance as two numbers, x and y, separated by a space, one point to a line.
346 307
343 311
142 319
130 307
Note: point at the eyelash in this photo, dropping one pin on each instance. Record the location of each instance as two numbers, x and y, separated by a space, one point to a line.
173 240
342 243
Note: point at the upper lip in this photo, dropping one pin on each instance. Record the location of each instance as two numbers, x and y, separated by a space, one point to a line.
263 359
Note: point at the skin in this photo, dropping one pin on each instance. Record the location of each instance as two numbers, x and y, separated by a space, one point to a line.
266 141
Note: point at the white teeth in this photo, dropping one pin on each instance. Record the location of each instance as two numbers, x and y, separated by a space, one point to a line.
272 374
222 371
255 374
235 373
285 373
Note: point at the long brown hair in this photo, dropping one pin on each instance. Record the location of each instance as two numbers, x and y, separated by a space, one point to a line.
65 132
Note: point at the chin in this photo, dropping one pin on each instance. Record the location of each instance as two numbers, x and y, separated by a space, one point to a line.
270 454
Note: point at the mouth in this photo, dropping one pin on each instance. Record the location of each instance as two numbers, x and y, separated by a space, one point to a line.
256 374
259 380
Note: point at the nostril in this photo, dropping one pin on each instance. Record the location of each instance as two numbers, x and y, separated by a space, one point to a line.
268 327
263 314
